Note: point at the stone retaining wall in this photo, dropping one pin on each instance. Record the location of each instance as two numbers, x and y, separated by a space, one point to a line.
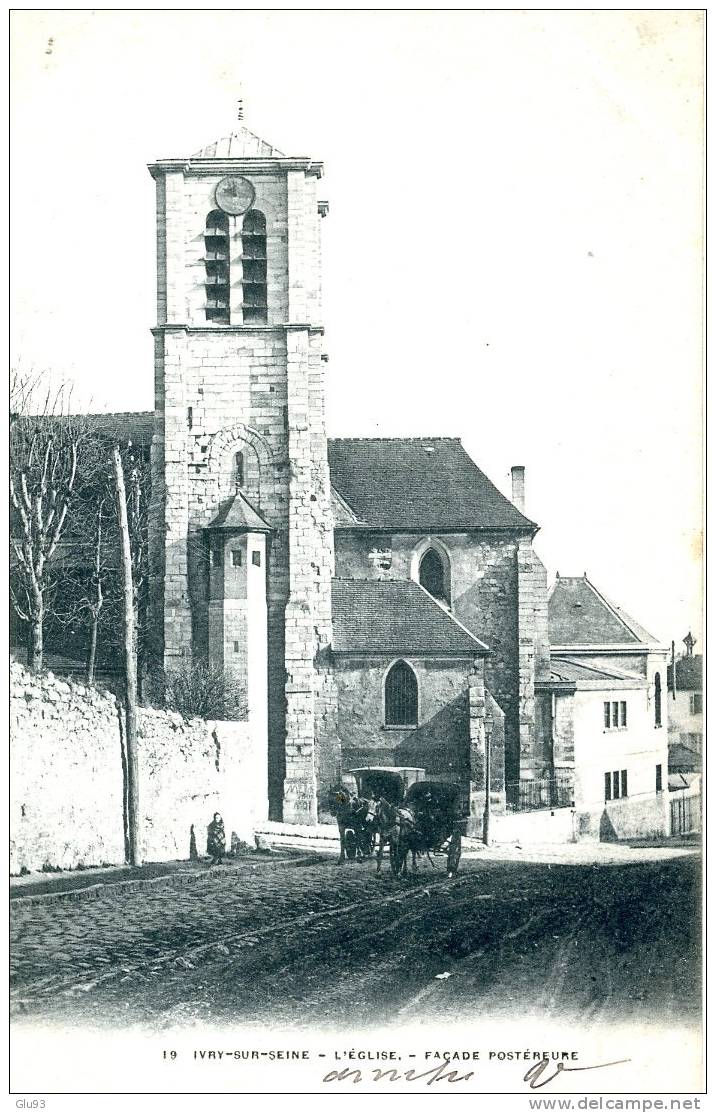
67 779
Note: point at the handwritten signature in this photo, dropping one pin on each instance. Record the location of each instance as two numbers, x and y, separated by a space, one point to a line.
441 1073
534 1074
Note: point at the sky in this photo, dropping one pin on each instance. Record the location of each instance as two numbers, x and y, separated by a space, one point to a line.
513 253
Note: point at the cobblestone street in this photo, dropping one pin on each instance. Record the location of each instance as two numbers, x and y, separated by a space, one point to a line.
277 941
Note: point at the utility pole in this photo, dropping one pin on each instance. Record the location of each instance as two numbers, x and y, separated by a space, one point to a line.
488 762
673 670
130 663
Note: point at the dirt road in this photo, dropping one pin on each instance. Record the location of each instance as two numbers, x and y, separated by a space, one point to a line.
291 945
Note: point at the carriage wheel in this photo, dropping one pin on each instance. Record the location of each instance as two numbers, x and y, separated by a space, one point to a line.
351 844
398 854
454 853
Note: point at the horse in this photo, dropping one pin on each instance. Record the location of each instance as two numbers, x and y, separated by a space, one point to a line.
350 812
417 826
381 818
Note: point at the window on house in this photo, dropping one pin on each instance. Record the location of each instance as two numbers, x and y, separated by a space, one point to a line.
217 278
256 558
696 703
659 782
657 699
615 714
236 647
432 576
253 259
239 469
216 554
401 696
616 785
236 558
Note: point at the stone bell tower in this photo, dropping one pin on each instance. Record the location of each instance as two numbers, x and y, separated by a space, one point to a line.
241 537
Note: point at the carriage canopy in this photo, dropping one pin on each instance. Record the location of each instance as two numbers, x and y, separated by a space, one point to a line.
441 795
390 782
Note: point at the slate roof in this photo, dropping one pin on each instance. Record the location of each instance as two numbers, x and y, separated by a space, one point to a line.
395 618
137 427
418 484
415 484
580 615
689 673
683 760
237 513
242 143
564 669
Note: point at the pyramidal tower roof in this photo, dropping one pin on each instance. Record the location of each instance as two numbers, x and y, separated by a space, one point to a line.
237 513
242 143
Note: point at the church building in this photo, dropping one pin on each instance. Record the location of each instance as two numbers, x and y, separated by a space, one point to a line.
379 599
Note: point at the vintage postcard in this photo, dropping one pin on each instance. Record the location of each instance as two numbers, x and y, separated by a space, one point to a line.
355 502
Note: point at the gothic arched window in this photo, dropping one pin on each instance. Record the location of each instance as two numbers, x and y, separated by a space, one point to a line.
401 696
432 575
216 265
657 699
253 258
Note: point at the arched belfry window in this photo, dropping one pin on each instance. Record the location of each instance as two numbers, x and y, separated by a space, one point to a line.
657 699
401 696
253 259
217 266
433 575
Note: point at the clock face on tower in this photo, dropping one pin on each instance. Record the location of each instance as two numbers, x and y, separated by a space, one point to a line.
234 195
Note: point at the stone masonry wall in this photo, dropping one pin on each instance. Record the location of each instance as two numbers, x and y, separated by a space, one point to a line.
496 592
449 741
67 780
440 743
257 389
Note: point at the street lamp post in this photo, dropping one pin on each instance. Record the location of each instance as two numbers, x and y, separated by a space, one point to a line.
488 755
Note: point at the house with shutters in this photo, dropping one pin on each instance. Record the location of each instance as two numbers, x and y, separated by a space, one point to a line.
603 714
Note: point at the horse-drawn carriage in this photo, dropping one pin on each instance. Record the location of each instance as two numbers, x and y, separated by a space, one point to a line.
430 821
398 807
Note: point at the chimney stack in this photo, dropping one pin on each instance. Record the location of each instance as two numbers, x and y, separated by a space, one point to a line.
518 487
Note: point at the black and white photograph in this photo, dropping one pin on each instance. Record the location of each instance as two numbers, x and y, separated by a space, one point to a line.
356 630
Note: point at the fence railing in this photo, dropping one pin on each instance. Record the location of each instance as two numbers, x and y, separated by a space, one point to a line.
685 815
529 795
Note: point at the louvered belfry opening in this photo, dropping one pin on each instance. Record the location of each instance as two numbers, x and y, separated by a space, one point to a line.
432 575
253 259
401 696
217 266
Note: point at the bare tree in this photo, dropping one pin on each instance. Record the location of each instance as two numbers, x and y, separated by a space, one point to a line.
48 448
89 573
136 470
204 691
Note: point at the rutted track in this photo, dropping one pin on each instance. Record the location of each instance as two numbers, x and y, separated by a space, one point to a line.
341 945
